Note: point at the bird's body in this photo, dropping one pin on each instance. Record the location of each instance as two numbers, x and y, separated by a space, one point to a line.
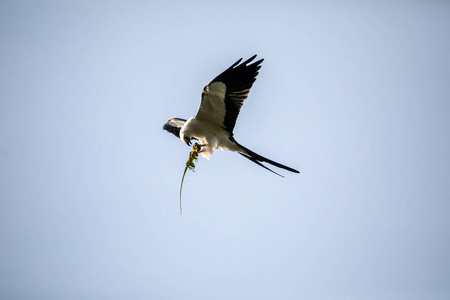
211 136
222 100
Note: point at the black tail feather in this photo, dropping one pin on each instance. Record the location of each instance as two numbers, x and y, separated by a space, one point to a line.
257 159
260 164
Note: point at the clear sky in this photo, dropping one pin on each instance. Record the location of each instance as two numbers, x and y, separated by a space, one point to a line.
354 94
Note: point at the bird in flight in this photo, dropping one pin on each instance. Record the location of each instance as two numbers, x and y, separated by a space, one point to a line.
222 100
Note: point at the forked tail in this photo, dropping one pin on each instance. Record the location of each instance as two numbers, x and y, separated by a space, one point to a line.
257 159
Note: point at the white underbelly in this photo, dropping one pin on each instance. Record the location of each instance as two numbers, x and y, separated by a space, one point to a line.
212 137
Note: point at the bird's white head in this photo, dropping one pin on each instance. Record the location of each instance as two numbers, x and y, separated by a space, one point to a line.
186 139
185 133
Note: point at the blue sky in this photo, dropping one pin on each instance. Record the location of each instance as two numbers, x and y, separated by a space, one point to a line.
354 94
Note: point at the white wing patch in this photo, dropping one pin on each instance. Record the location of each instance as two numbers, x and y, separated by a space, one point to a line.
212 108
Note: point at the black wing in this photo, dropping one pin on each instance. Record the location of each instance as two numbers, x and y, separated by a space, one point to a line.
224 96
174 126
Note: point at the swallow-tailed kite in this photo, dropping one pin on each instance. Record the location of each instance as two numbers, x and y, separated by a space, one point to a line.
222 100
